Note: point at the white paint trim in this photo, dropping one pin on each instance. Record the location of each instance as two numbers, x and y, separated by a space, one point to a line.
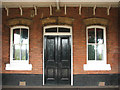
108 10
60 1
57 26
50 9
35 8
94 10
21 11
80 9
93 64
57 33
62 4
71 57
65 9
96 66
43 59
18 64
57 3
7 10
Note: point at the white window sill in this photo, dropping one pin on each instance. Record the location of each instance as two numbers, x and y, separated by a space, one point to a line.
95 66
17 66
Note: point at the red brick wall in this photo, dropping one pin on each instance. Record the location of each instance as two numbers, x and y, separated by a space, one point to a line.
119 37
79 38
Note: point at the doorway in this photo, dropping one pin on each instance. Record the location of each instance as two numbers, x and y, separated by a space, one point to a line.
57 56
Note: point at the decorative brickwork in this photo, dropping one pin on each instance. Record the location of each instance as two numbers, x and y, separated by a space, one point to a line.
48 21
19 21
96 21
57 21
65 20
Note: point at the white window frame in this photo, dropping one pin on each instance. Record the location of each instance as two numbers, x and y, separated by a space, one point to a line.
57 33
18 64
97 64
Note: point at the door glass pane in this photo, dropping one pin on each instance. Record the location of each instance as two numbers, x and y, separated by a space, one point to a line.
99 52
16 36
91 35
99 34
91 52
24 36
16 52
24 54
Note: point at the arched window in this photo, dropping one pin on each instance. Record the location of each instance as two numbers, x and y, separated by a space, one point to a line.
19 49
96 48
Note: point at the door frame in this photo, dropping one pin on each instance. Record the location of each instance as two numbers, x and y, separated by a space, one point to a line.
70 34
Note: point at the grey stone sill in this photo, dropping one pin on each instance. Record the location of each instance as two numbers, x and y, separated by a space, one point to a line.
6 86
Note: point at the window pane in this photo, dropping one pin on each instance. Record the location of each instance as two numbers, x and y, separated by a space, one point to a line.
16 36
24 36
91 52
99 52
16 52
99 33
24 54
64 30
51 30
91 35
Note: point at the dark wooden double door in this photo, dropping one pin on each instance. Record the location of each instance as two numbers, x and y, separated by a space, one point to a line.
57 60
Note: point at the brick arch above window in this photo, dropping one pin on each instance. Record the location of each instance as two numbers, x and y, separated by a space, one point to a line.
57 21
95 21
19 21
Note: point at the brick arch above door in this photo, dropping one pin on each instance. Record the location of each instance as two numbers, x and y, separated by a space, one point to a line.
57 21
95 21
19 21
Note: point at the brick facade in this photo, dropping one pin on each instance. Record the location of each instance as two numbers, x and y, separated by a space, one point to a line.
79 37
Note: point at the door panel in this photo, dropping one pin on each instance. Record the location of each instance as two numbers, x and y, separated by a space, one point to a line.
50 59
51 49
57 60
64 60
